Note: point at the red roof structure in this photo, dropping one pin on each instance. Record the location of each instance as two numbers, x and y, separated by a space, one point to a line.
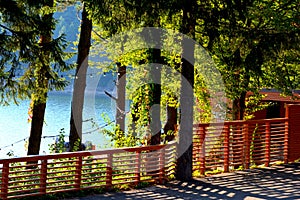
278 109
273 95
276 96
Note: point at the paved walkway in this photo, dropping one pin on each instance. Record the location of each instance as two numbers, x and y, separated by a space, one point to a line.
279 182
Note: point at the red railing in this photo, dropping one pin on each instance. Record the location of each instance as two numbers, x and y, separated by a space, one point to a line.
45 174
216 146
230 145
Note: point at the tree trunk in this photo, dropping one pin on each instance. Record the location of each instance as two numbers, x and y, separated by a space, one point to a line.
171 122
238 107
155 76
172 114
120 102
185 146
39 96
38 114
80 82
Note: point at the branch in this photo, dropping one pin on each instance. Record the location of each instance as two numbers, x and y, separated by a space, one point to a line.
102 38
110 95
10 30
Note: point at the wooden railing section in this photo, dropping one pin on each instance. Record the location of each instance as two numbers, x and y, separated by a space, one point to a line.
230 145
46 174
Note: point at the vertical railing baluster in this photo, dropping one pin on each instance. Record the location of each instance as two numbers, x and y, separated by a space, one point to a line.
268 144
202 151
247 146
226 148
286 141
4 180
109 171
138 168
161 165
43 177
199 149
78 172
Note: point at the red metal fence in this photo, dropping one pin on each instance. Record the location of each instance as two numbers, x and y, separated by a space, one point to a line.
230 145
40 175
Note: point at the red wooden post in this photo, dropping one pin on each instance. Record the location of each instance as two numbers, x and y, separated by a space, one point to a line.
161 165
247 146
202 150
4 180
109 171
198 153
138 168
268 144
226 148
286 140
78 173
43 177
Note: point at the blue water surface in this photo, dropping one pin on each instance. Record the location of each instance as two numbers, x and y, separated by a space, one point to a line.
14 126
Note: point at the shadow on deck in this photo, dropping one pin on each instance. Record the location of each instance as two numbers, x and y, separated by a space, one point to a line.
277 182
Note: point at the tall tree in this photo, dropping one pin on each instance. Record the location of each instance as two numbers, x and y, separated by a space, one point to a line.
185 145
28 26
41 73
45 74
151 10
121 96
80 81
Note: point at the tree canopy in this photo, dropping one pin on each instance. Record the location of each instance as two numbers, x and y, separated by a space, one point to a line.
249 41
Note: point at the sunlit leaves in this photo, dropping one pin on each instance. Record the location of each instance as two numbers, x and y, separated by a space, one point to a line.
247 41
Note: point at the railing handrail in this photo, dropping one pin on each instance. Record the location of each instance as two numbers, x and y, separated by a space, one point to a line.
239 122
86 153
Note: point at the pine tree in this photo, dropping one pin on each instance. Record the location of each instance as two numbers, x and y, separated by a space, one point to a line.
31 60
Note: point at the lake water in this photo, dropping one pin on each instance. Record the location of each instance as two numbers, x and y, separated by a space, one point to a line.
14 128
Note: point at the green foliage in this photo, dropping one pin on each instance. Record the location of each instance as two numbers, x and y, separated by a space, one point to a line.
240 168
22 56
213 172
117 138
59 145
129 139
254 104
142 185
77 144
250 42
164 135
170 17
